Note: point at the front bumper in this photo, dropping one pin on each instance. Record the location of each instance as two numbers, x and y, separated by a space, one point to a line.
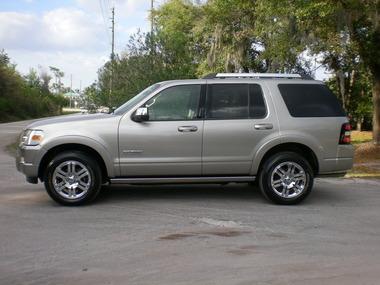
27 161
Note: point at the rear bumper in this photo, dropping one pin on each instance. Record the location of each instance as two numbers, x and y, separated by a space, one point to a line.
339 165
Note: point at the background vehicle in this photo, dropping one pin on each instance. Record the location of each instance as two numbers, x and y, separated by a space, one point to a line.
279 129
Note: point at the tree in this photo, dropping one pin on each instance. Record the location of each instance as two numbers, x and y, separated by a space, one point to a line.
58 75
33 79
357 22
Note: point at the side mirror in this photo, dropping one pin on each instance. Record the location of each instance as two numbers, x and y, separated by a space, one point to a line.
141 115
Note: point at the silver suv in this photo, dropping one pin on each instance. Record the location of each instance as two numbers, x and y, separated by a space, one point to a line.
278 130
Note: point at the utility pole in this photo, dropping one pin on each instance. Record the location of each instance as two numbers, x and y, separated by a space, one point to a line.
112 54
113 33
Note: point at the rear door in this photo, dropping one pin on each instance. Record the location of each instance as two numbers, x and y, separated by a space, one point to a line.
237 122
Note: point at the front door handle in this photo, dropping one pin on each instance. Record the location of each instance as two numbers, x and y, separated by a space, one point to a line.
263 126
186 129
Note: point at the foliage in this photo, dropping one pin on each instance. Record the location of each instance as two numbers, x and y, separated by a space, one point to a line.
347 35
24 98
193 38
138 68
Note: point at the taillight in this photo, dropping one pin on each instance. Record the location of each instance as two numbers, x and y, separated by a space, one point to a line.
345 134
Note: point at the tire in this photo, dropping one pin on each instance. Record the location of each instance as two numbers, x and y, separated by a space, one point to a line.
73 178
292 178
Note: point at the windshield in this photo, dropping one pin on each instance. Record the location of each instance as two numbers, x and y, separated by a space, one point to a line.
133 101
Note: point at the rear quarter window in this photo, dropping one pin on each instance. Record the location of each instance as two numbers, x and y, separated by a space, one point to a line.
310 100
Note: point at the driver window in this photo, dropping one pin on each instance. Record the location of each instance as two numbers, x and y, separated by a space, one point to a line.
177 103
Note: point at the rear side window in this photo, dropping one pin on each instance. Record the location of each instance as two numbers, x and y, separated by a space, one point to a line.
310 100
234 101
257 107
227 101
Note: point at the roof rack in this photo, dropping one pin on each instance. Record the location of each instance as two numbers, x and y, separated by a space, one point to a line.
255 75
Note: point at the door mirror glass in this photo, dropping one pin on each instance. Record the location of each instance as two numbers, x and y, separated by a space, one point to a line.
141 115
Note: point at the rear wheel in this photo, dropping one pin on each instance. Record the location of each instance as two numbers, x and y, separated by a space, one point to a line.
286 178
73 178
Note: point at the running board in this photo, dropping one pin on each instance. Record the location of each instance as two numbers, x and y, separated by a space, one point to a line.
179 180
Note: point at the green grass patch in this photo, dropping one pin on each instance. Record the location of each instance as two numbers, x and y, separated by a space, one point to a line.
12 148
360 137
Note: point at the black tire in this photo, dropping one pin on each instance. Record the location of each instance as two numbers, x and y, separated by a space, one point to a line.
268 168
93 179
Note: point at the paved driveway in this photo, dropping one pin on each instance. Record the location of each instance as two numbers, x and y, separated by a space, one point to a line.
187 234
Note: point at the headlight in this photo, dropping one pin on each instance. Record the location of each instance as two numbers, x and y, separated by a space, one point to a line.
32 137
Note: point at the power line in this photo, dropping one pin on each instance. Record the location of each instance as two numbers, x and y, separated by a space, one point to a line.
106 5
151 15
104 20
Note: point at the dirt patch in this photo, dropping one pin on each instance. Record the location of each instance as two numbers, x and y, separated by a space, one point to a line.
226 233
176 236
367 152
239 252
204 234
366 161
243 250
277 235
33 198
249 247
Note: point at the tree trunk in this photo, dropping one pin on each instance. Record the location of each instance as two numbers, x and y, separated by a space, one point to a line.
342 88
359 124
376 108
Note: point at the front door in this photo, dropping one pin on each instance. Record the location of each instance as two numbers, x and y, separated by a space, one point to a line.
170 142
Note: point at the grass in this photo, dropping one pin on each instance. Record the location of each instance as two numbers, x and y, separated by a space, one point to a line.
12 148
361 137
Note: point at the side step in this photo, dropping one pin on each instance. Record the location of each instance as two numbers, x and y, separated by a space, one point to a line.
180 180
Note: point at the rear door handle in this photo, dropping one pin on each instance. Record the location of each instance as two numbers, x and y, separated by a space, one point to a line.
263 126
186 129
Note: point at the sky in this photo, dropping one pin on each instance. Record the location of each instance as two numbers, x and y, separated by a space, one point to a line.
72 35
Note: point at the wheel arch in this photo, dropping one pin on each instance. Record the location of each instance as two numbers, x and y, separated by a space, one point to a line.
52 152
296 147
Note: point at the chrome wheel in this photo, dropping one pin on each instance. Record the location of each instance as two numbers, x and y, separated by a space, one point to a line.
288 180
71 179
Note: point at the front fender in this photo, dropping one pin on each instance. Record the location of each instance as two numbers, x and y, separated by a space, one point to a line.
96 144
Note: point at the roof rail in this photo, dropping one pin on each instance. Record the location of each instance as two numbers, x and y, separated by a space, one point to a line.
257 75
254 75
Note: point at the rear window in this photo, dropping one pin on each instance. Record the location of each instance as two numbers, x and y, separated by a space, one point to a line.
310 100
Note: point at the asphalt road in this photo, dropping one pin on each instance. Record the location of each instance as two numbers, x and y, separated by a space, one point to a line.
204 234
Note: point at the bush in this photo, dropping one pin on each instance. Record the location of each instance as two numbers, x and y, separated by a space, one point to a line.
21 100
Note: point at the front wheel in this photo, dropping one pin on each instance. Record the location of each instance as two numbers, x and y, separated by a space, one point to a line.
286 178
72 178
